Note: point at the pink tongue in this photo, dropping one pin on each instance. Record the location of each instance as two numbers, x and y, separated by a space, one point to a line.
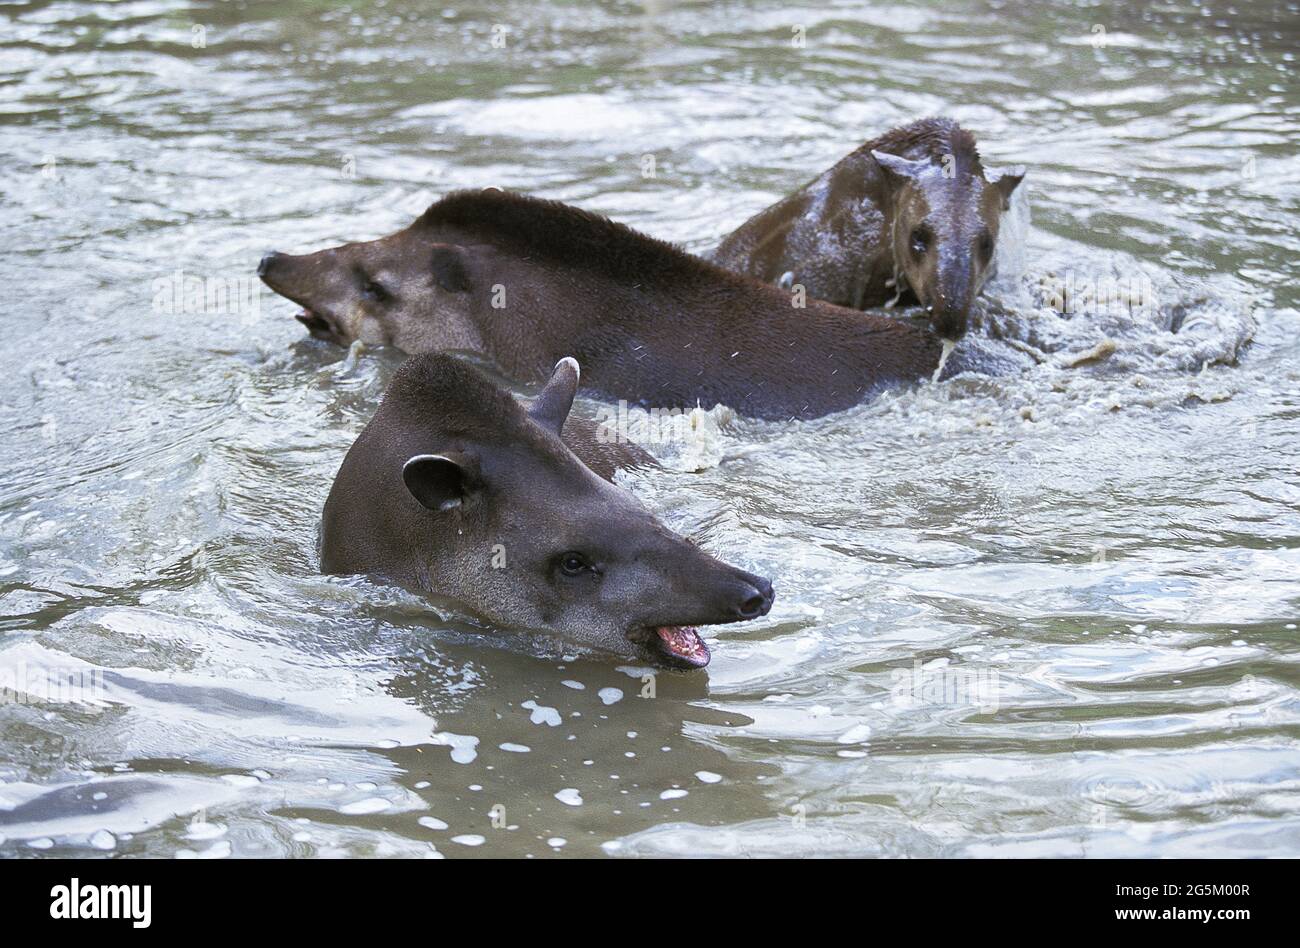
684 642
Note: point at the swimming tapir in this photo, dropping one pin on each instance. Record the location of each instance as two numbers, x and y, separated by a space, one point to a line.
911 215
456 489
524 282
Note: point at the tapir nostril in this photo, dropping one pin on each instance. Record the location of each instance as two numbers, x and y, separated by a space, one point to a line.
758 604
949 325
264 264
953 331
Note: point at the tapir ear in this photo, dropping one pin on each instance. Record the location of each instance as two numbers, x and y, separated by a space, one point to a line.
551 407
449 270
898 169
1007 181
438 481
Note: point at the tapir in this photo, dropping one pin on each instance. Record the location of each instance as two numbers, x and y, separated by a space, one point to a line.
456 489
911 216
523 282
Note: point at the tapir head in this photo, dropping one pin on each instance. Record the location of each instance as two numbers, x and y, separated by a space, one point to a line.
407 290
457 489
944 228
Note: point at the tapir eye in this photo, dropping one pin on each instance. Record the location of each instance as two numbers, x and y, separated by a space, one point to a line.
920 240
573 564
374 291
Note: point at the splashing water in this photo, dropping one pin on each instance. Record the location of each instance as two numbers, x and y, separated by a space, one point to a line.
948 346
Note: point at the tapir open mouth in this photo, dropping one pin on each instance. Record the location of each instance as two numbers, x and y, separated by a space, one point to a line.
317 325
682 645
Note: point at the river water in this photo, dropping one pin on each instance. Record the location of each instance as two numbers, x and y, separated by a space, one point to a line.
1048 613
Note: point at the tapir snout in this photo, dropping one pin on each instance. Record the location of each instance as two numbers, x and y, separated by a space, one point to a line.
951 301
709 591
759 600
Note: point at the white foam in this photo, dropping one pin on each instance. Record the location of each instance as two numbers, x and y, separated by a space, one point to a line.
103 839
1010 254
202 830
541 714
855 735
703 444
216 851
463 746
569 796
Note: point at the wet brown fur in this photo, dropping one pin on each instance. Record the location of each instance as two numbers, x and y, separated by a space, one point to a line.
836 235
648 322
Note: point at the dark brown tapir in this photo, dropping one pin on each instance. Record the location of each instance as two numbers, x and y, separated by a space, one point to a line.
909 217
525 282
455 489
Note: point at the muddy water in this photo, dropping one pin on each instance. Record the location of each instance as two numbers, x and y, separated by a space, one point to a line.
1049 612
